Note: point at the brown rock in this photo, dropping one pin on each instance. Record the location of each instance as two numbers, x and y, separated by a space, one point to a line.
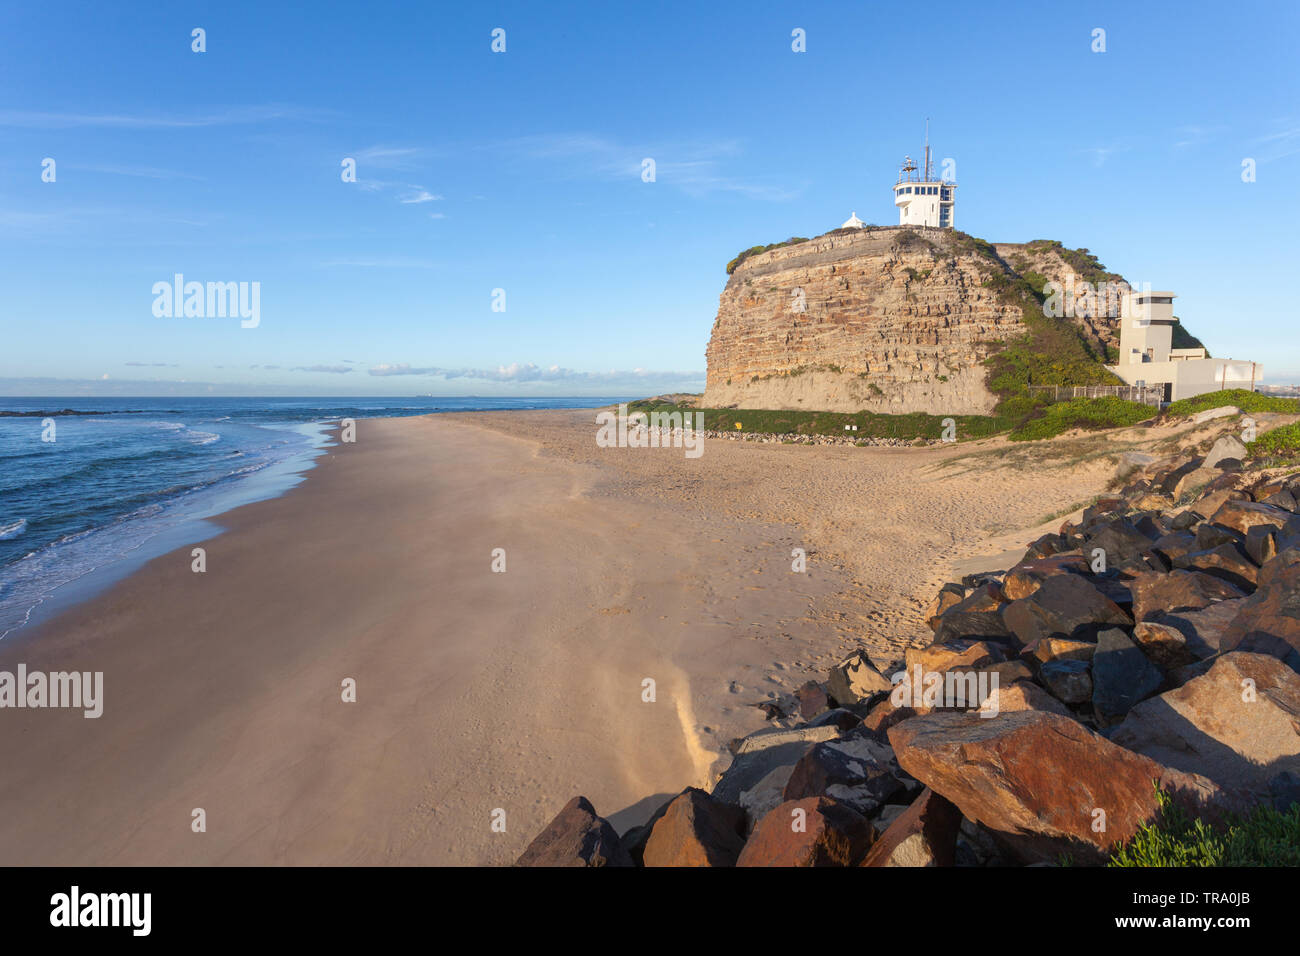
949 596
958 654
1022 695
1060 649
1037 780
815 831
1241 516
1066 605
925 834
1069 680
1121 676
1155 594
812 698
576 837
696 830
1271 612
855 679
860 763
1238 724
1163 645
1023 580
1224 562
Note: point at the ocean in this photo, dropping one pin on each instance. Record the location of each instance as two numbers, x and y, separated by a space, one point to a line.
124 480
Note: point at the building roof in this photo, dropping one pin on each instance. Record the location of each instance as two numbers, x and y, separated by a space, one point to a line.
853 222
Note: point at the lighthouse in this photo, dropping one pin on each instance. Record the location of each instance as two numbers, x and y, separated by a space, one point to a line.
921 198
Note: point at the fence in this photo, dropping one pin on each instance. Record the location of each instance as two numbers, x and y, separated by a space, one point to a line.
1146 394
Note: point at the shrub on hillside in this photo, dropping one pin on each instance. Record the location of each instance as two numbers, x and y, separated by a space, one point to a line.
1243 398
1265 837
1091 413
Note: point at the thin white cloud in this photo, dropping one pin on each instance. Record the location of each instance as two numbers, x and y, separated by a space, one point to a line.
521 372
422 195
33 119
332 369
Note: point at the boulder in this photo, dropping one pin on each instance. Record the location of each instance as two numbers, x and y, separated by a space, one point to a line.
1120 539
1241 516
1221 727
1164 645
855 680
1224 562
925 834
1047 649
1204 629
768 793
1066 606
812 698
1024 579
949 596
1155 594
1175 544
815 831
958 654
1068 680
1211 535
1223 411
1271 612
1227 447
1261 544
696 830
859 770
576 837
1037 780
1021 695
756 756
957 624
1121 676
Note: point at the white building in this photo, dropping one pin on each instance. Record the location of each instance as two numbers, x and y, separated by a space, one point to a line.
1146 355
853 222
923 200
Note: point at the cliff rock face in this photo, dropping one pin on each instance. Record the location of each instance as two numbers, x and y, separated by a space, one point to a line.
892 319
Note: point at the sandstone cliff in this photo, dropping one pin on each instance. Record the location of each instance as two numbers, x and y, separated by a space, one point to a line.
886 319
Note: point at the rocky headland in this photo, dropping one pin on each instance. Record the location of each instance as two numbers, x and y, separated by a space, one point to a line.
887 319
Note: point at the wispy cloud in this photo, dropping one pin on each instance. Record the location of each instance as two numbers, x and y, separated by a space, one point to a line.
1284 142
154 364
142 172
389 262
696 167
231 117
422 195
518 372
332 369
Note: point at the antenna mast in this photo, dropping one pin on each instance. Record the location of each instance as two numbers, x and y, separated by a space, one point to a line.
927 151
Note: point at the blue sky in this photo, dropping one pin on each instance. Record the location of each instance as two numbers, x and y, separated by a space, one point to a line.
522 171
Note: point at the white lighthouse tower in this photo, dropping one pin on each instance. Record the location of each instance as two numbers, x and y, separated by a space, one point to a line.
923 200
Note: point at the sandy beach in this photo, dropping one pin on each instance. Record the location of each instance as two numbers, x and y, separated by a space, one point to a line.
479 691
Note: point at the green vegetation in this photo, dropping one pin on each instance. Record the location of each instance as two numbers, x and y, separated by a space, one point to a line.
1182 339
755 250
1265 837
870 424
1243 398
1279 446
1089 413
1081 262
